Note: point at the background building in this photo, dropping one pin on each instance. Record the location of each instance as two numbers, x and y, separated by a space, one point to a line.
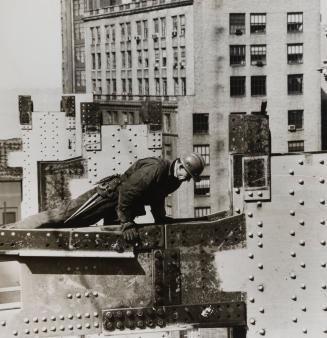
10 183
204 60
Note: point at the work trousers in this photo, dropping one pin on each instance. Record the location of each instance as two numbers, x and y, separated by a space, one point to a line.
104 208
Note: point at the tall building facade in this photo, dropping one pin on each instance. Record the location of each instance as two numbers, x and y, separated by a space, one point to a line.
204 60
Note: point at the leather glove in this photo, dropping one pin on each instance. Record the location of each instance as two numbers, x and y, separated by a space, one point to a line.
130 233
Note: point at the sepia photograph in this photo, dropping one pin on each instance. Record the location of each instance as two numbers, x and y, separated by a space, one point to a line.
163 168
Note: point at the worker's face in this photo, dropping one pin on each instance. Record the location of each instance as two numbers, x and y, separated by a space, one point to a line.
182 174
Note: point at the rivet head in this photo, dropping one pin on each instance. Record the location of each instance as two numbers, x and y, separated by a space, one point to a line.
27 331
293 275
251 235
301 202
44 329
261 310
324 286
53 318
260 224
69 296
292 233
291 192
303 286
95 294
252 321
87 325
323 264
251 278
70 327
301 222
237 190
250 194
95 314
300 162
322 221
292 212
250 214
78 295
35 319
321 161
260 266
15 333
262 332
260 244
302 264
70 316
238 210
304 330
293 254
260 234
26 320
3 323
87 294
79 326
304 308
36 330
261 288
259 204
294 319
44 319
252 300
87 315
323 242
291 172
96 324
322 201
301 181
294 298
251 255
62 328
52 328
322 180
78 315
302 242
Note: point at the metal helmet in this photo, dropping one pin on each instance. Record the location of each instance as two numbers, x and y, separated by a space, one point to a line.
193 164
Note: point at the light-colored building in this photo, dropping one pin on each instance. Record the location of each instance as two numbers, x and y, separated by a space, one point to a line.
205 60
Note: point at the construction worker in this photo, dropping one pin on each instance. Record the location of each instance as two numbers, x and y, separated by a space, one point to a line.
121 198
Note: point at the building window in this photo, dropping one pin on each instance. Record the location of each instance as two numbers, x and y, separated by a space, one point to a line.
258 55
108 86
99 89
200 123
145 29
156 26
146 58
295 146
93 61
167 123
182 24
169 210
237 85
108 60
237 23
128 117
203 186
138 28
258 23
164 86
114 86
168 151
295 53
98 35
295 22
176 87
163 27
183 85
175 25
92 35
164 57
129 32
110 117
295 118
107 32
156 58
122 32
204 151
139 59
130 86
123 86
129 59
175 57
183 57
258 85
146 87
8 217
157 83
295 84
202 211
113 58
99 60
140 86
94 86
83 78
113 33
237 55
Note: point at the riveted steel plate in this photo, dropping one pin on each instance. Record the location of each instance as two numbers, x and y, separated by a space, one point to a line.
214 234
67 105
144 319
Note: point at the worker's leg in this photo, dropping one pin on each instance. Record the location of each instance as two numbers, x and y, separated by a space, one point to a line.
54 218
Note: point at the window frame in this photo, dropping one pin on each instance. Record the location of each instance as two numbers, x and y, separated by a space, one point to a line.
234 28
294 92
293 29
204 188
238 58
298 59
297 121
204 151
234 92
256 87
200 127
258 24
300 147
255 58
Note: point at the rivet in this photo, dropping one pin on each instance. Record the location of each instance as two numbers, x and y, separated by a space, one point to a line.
237 190
322 221
238 211
52 328
261 288
294 298
259 204
15 333
62 328
261 310
251 255
294 319
293 275
262 332
322 180
303 286
96 324
252 300
44 319
293 254
44 329
251 278
251 235
304 308
27 331
291 172
95 314
304 330
291 192
78 315
3 323
292 212
87 294
26 320
324 308
95 294
260 244
260 224
250 194
61 317
78 295
36 330
260 194
35 319
292 233
301 181
87 315
322 201
321 161
302 264
323 242
252 321
302 242
79 326
301 222
70 316
323 264
300 162
301 202
324 286
70 327
325 330
250 214
87 325
260 266
260 234
48 234
69 296
53 318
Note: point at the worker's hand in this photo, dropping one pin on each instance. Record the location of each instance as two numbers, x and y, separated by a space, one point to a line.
130 233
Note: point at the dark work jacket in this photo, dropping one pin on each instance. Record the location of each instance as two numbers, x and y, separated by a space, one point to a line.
147 182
